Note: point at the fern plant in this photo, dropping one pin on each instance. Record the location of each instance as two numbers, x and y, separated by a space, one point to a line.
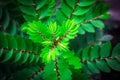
55 40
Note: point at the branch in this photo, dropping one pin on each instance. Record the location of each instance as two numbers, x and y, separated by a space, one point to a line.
35 73
34 6
74 9
88 21
56 69
22 51
94 60
40 33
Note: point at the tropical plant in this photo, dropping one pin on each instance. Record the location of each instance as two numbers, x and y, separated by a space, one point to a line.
55 40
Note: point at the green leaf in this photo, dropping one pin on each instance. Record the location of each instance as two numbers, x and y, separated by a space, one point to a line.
64 71
85 69
116 50
28 10
98 23
85 55
106 16
71 3
38 60
16 56
78 19
24 58
3 41
65 9
93 68
12 28
28 43
114 64
71 59
75 61
40 4
94 54
81 11
86 3
1 51
101 64
26 2
106 38
81 31
29 18
88 27
38 32
60 16
11 41
49 72
20 43
6 20
90 38
7 54
31 58
105 50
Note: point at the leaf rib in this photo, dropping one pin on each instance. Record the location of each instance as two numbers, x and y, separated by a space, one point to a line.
56 66
94 60
88 21
73 9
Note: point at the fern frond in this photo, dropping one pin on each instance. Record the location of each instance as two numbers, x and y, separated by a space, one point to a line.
100 58
18 50
82 12
37 10
28 72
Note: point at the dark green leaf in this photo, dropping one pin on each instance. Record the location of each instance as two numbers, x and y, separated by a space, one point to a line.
26 2
94 54
114 64
88 27
116 50
81 31
7 54
105 49
81 11
98 23
93 68
85 55
102 65
86 3
3 41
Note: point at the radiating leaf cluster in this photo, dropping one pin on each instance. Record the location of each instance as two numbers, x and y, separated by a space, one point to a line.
54 37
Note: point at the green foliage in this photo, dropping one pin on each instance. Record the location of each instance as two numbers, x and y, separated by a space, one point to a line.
100 58
17 50
37 10
7 23
55 37
30 72
64 38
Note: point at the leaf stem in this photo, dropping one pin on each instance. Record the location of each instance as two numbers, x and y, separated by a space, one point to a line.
94 60
56 67
73 9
